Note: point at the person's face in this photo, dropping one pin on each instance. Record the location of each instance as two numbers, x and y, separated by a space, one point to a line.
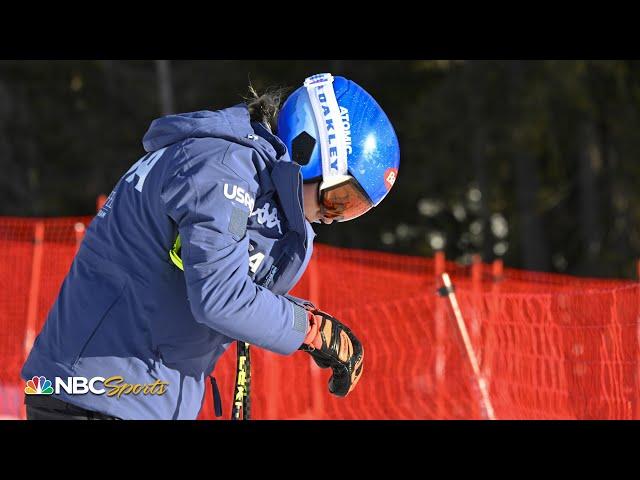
312 208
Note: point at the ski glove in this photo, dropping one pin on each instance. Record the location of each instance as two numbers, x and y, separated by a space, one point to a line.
332 344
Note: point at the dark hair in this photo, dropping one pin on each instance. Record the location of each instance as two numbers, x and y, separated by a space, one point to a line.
264 107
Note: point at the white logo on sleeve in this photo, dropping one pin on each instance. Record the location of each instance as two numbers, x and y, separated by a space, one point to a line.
233 192
142 168
255 260
271 219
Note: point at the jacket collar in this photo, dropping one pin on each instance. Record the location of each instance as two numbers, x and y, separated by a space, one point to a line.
275 142
287 180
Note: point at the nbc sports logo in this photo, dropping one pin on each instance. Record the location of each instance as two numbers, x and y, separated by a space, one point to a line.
38 386
115 385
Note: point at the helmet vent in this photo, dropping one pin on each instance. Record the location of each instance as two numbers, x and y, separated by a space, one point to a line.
302 147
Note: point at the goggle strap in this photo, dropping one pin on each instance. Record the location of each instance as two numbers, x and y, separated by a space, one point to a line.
333 149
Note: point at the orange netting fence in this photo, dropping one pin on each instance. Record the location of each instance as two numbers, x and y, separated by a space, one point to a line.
548 346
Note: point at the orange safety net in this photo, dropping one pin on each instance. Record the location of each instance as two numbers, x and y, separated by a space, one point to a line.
548 346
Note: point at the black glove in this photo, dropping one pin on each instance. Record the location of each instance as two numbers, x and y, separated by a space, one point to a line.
332 344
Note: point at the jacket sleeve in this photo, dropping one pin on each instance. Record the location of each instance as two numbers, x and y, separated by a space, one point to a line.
210 201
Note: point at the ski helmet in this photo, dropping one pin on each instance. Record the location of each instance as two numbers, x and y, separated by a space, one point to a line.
339 135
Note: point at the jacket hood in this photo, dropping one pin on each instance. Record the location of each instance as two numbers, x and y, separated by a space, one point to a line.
233 124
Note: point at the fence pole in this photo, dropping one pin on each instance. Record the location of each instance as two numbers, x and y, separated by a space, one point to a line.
79 231
439 263
497 270
636 413
100 201
471 355
476 270
34 288
476 281
440 333
494 306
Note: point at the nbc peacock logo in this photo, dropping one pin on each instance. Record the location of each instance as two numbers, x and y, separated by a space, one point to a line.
38 386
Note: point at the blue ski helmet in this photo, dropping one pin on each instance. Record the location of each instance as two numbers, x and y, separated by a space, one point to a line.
339 135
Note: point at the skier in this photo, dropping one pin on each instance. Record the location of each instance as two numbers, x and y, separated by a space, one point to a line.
199 244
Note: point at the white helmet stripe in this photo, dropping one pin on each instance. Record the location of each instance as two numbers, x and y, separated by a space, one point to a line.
333 149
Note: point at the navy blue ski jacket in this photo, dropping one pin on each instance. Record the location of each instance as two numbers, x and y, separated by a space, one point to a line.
127 314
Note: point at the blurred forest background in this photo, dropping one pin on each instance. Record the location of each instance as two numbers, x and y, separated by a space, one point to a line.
531 161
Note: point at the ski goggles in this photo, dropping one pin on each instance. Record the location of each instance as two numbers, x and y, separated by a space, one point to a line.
342 199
